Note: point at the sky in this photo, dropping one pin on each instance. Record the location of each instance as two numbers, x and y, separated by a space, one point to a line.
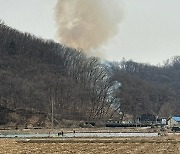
148 33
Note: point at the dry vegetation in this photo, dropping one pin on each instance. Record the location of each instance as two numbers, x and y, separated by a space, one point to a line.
159 145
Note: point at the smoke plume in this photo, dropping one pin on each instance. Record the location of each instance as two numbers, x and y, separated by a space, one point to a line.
87 24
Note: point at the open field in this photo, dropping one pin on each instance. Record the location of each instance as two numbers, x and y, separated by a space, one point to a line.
158 145
69 130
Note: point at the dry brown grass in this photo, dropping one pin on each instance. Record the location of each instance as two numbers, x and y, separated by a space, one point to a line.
158 145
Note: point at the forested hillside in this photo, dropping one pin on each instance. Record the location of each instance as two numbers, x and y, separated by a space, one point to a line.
34 73
149 89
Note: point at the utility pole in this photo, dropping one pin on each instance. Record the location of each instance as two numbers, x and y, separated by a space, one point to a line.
52 113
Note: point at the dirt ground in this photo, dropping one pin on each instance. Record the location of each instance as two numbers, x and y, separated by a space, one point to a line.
158 145
68 130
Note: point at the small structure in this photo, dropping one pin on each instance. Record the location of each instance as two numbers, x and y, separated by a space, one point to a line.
147 118
164 121
174 121
160 122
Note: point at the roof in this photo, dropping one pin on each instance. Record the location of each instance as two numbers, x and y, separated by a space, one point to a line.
176 119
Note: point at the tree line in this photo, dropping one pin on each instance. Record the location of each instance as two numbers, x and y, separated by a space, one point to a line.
34 73
147 88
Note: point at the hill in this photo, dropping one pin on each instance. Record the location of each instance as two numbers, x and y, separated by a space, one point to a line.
36 74
147 88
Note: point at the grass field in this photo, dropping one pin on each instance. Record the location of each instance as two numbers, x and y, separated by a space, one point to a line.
158 145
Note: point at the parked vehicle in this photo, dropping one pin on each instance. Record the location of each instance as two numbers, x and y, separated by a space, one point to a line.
175 129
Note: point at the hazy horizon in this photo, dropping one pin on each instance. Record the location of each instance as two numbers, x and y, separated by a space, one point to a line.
148 33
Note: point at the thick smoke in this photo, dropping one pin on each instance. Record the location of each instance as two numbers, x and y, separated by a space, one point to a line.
87 24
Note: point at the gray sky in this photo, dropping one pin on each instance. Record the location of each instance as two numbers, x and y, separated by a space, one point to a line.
149 32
